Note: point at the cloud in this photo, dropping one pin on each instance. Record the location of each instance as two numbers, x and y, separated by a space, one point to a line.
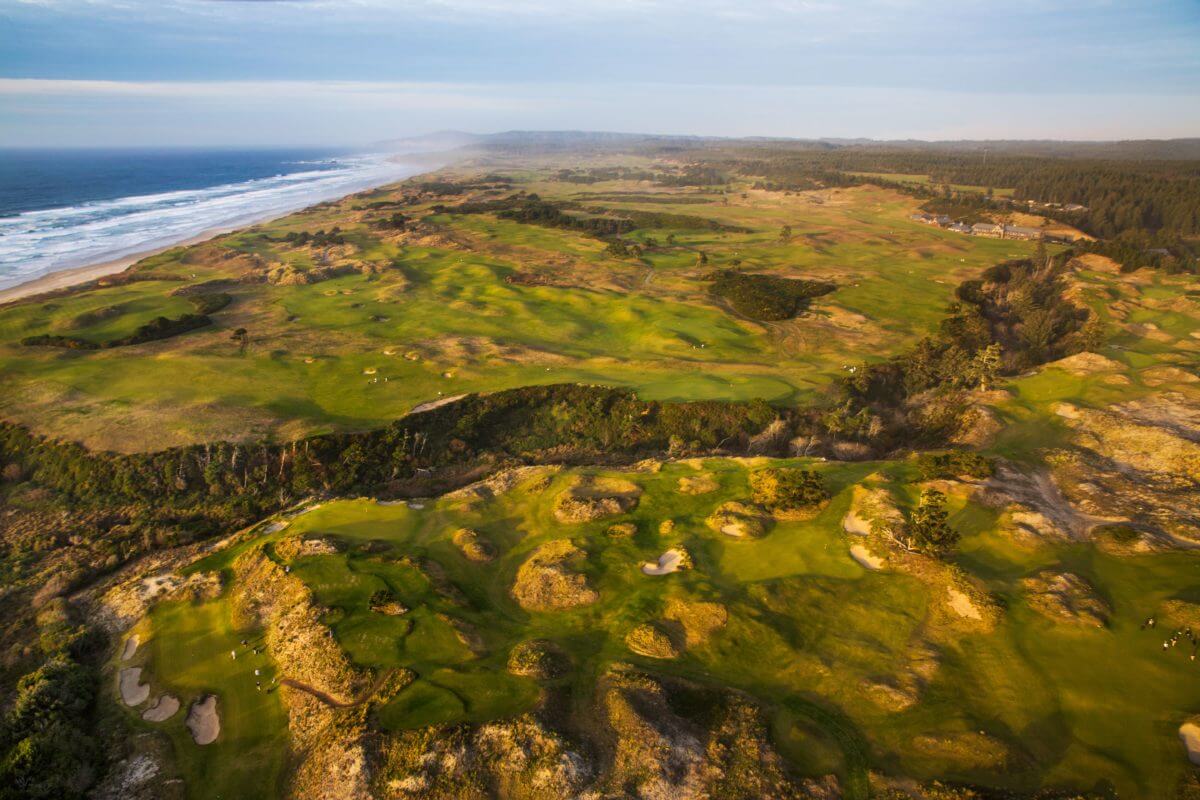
418 96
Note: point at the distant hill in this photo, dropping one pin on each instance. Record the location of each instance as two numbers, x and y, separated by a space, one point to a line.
429 142
1133 149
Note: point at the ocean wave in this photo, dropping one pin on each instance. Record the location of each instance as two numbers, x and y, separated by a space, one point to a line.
37 243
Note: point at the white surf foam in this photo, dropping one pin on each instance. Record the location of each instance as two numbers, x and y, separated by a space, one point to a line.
36 243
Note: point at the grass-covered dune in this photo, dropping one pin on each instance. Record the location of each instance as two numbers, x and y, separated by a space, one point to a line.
408 302
857 668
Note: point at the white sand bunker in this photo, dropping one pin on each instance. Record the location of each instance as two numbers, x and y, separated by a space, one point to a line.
133 691
163 709
131 646
962 605
668 562
202 720
853 523
1189 732
865 558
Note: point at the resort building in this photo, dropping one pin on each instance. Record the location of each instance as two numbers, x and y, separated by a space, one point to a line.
989 229
1019 232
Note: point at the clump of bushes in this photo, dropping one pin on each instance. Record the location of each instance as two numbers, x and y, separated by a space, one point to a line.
765 297
954 464
783 489
538 659
210 303
155 329
321 238
162 328
46 748
65 342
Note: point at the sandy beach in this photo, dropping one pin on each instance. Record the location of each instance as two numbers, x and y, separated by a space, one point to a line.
65 278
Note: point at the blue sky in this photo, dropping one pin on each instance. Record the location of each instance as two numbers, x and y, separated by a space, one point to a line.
195 72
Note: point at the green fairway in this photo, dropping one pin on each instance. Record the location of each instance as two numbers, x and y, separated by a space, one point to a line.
187 653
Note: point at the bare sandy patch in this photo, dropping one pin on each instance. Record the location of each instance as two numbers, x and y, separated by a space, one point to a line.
163 709
594 497
865 557
698 484
549 580
739 520
1086 364
962 605
133 691
1157 376
202 720
1189 733
432 404
1098 263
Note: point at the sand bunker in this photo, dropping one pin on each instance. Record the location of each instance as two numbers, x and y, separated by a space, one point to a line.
1189 732
668 562
133 691
202 720
162 710
962 605
865 558
853 523
131 646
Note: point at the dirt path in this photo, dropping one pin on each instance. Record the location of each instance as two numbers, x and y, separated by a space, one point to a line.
432 404
332 701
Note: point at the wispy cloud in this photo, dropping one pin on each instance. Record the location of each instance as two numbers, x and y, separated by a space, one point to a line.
392 95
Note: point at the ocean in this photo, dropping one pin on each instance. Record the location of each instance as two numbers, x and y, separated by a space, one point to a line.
71 208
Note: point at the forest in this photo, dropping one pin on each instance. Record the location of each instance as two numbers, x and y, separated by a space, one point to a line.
1160 197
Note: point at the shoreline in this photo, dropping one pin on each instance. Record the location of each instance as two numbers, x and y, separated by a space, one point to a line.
64 279
75 276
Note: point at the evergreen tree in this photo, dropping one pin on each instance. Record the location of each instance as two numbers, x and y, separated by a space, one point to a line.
928 530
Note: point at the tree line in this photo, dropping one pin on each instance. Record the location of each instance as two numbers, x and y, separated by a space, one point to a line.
1120 196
